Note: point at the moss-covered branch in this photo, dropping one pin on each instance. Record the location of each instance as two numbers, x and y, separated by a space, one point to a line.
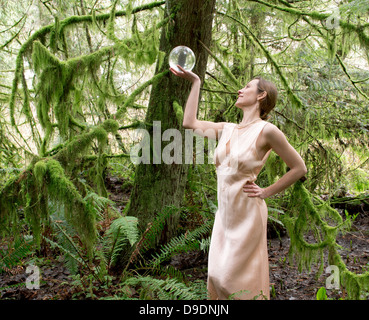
57 79
50 178
178 111
41 34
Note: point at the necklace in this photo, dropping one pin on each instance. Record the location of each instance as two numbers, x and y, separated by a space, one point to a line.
239 126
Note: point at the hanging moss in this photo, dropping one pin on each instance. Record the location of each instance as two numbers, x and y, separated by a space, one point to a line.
274 167
309 215
57 29
56 78
346 25
39 171
251 37
46 179
8 206
63 191
54 35
49 178
227 72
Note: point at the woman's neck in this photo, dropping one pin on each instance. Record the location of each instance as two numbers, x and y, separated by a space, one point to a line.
250 114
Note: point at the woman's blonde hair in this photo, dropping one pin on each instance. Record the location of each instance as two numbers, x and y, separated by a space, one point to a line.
268 103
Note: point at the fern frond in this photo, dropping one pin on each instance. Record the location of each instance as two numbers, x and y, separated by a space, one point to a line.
184 242
121 231
205 244
65 234
96 203
10 257
64 250
156 228
65 240
168 289
168 270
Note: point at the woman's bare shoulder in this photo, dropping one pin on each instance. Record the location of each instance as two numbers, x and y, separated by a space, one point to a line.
274 136
271 128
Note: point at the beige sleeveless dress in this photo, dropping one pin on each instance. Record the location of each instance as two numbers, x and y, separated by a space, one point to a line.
238 257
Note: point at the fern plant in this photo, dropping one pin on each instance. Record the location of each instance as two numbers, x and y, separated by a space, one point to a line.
10 257
166 289
122 231
72 252
182 243
150 237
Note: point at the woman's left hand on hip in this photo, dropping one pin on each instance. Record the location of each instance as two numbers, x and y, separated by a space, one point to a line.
254 190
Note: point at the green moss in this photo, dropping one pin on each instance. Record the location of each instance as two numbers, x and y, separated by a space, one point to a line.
43 183
39 171
179 111
54 35
111 125
42 57
307 214
100 134
64 192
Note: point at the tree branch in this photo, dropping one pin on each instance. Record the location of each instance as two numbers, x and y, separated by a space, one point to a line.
348 76
254 39
359 30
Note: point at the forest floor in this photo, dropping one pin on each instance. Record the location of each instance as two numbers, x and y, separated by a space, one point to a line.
287 283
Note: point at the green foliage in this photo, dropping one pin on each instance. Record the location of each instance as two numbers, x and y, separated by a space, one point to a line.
63 191
122 231
111 125
169 289
39 171
156 227
309 217
182 243
66 246
321 294
11 256
80 86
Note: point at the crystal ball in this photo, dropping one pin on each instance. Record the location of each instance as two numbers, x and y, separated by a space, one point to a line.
183 56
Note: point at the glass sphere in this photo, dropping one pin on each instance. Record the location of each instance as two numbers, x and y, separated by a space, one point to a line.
183 56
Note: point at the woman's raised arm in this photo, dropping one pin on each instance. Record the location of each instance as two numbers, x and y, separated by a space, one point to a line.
207 129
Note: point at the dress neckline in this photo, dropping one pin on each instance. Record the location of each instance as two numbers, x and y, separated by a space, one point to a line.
240 135
235 126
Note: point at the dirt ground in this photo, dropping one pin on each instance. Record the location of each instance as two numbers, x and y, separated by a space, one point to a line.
287 283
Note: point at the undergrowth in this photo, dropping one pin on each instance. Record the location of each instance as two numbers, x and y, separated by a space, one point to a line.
147 273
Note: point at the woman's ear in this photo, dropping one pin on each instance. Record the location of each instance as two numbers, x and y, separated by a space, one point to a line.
262 95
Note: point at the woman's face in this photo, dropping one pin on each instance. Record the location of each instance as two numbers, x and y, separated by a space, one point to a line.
248 95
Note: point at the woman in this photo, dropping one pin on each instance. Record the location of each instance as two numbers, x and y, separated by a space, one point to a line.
238 259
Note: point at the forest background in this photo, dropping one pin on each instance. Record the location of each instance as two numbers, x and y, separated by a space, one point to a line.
80 81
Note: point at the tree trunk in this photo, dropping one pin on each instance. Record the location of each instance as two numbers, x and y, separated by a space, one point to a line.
159 184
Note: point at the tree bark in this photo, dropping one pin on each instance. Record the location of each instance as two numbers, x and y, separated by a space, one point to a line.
159 184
